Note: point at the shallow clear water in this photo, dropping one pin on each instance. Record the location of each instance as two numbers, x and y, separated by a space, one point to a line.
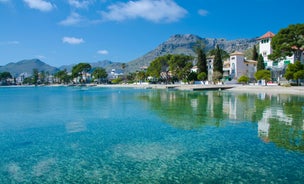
104 135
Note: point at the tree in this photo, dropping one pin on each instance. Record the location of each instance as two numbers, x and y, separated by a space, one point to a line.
201 58
180 66
35 76
100 74
224 54
202 76
201 61
260 65
243 79
42 77
295 71
80 69
140 76
192 76
4 76
218 62
263 75
287 42
255 54
158 65
299 75
217 76
63 76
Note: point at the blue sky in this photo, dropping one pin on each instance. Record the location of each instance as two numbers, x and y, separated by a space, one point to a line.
61 32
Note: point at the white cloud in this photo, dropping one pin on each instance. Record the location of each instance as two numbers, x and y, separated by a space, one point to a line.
152 10
202 12
72 40
73 19
103 52
79 4
40 5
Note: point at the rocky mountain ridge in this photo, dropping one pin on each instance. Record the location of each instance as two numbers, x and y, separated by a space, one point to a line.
176 44
185 44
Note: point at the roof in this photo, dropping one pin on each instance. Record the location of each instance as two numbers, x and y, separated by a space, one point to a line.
251 61
237 53
267 35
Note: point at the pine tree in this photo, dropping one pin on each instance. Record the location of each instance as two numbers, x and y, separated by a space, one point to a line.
218 63
255 54
260 65
201 61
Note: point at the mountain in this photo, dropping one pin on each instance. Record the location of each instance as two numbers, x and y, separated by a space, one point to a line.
27 66
176 44
184 44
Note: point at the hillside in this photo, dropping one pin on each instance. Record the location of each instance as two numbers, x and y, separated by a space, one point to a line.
184 44
27 66
176 44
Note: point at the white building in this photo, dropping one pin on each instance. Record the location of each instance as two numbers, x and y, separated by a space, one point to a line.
210 61
239 66
266 50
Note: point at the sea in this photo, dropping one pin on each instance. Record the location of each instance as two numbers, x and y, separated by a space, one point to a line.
127 135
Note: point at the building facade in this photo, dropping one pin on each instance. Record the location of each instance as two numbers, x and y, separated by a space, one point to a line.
240 66
266 49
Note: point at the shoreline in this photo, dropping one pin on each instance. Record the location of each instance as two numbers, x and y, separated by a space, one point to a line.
270 89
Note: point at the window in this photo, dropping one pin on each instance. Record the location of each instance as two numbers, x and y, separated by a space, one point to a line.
264 53
286 62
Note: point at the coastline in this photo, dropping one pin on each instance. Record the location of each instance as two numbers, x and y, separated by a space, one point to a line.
270 89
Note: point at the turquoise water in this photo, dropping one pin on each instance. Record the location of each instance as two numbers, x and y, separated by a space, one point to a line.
113 135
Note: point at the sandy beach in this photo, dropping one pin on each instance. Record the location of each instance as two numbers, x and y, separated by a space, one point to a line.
273 89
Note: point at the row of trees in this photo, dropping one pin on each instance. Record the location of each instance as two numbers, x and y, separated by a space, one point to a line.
172 68
81 73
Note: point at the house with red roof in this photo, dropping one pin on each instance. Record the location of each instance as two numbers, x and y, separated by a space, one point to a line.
266 50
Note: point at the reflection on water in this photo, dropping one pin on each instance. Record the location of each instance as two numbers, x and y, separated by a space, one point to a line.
69 135
280 118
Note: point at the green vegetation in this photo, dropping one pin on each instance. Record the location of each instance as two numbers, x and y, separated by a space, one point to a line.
218 61
223 53
62 77
201 59
217 76
295 71
243 79
260 65
287 42
116 81
35 76
79 69
100 74
4 76
178 65
263 75
202 76
255 54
